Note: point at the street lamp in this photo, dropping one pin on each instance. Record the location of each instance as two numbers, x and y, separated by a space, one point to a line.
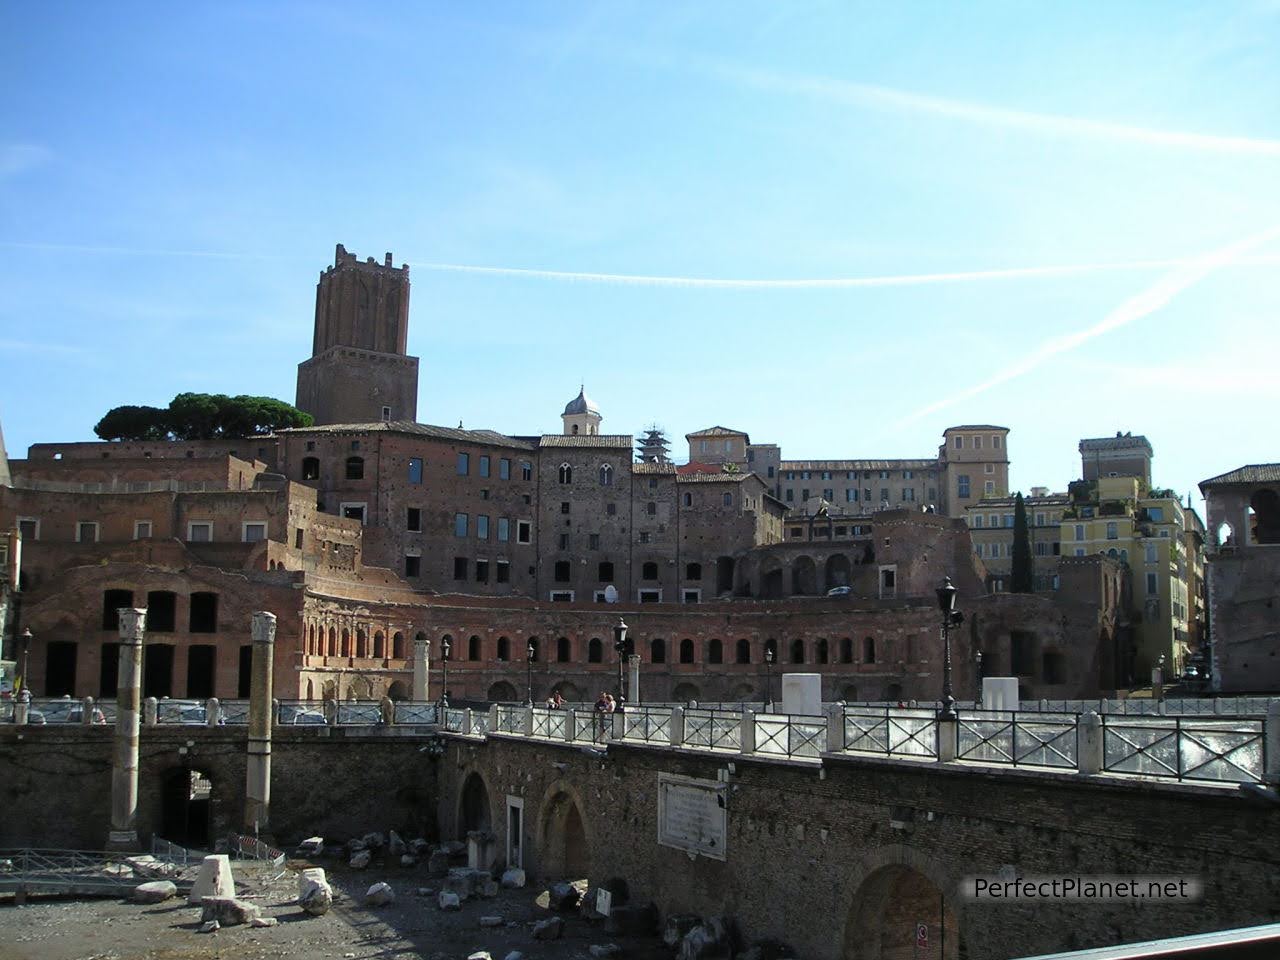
444 673
528 661
25 639
620 645
768 679
950 617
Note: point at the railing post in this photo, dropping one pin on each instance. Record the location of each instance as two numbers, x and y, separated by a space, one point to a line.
21 713
275 710
677 726
1217 705
331 712
466 720
747 738
150 710
835 727
527 721
212 710
571 725
86 711
493 719
948 730
1089 743
1271 743
617 725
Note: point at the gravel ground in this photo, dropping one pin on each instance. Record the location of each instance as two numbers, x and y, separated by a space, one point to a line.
413 926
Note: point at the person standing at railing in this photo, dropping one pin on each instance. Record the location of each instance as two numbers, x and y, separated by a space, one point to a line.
602 708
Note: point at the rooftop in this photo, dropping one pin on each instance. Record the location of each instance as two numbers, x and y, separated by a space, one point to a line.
846 465
1252 473
718 432
610 441
491 437
1118 442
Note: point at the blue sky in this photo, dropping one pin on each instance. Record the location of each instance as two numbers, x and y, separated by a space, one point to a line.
174 177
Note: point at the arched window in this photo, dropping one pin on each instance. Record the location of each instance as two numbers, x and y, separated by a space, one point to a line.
575 429
715 651
594 650
311 638
797 651
566 473
649 571
333 642
473 648
346 643
686 650
362 644
562 650
744 651
651 508
397 646
846 650
310 468
355 468
693 571
824 652
379 646
728 499
657 650
869 650
504 649
606 475
605 571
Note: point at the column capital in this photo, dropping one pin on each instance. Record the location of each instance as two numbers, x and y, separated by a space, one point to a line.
263 627
421 643
133 624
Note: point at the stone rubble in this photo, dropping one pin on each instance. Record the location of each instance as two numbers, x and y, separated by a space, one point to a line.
513 877
154 891
449 901
379 895
228 911
360 859
315 896
551 928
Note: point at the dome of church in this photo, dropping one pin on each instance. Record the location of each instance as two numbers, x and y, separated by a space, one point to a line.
580 404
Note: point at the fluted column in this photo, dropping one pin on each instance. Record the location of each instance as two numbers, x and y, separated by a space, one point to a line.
124 762
257 806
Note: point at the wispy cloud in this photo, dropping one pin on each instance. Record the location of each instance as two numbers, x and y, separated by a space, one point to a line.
1154 298
16 158
872 95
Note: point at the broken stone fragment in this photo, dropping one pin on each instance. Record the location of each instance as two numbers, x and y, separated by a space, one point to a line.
315 896
156 891
210 926
379 895
449 901
513 877
551 928
228 911
213 880
360 859
396 846
490 921
264 922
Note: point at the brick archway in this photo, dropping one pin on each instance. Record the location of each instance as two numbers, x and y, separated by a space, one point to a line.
895 889
563 838
475 806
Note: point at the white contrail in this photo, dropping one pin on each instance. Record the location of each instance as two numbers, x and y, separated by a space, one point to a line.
1155 297
819 283
645 280
865 94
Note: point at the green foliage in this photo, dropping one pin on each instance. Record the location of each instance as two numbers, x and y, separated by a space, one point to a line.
1021 575
201 416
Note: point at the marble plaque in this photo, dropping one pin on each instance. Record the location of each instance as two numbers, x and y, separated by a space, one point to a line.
692 815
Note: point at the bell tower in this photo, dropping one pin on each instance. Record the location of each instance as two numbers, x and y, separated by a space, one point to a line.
359 371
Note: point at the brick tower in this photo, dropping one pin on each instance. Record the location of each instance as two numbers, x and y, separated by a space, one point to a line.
359 371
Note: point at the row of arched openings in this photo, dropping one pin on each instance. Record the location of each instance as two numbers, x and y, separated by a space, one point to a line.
332 641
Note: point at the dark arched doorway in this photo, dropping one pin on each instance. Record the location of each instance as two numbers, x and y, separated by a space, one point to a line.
473 805
502 692
186 808
565 853
892 908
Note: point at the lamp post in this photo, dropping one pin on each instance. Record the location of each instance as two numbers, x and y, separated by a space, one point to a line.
620 645
528 662
25 639
950 617
768 679
444 674
977 659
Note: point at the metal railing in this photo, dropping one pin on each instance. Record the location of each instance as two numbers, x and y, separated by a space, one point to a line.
892 732
64 871
791 735
647 723
479 723
1017 739
713 729
294 713
1231 751
417 712
510 719
548 722
359 713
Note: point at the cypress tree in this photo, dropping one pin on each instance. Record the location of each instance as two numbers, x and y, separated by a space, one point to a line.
1021 573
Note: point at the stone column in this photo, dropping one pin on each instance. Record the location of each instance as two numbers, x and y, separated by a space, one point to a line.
633 679
1090 749
124 761
257 787
421 664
